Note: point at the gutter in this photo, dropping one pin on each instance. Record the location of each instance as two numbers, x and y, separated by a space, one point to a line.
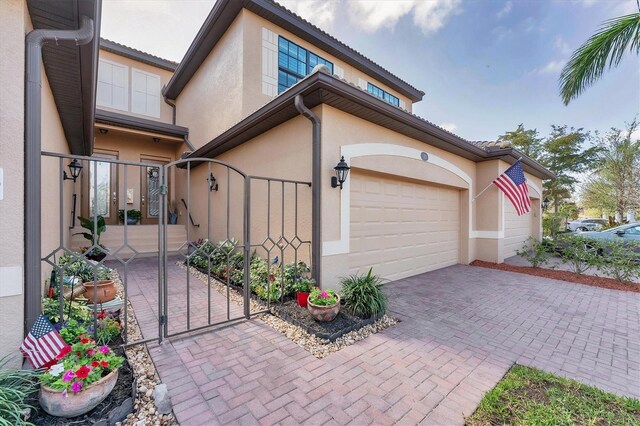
316 243
172 104
35 40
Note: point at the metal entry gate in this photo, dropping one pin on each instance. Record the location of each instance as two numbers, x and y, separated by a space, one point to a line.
217 229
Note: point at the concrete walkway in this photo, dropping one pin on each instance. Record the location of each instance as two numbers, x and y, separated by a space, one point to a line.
462 328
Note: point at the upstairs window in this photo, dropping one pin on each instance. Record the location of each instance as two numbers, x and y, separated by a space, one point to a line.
383 94
295 62
113 87
145 93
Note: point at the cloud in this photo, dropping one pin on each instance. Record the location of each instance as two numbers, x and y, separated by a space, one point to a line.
552 67
562 46
505 10
429 16
635 135
321 13
451 127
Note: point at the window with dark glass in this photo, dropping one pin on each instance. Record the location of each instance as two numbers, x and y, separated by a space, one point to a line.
383 94
295 62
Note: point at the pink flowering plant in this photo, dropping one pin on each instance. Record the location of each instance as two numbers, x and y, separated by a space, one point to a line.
80 365
323 297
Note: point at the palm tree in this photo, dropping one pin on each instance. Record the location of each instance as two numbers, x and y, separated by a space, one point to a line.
602 50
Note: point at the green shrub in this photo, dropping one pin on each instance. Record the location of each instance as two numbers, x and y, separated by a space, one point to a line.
131 214
81 268
536 252
15 387
580 253
552 224
621 260
363 294
72 310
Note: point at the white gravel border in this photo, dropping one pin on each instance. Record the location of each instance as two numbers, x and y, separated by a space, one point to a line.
317 347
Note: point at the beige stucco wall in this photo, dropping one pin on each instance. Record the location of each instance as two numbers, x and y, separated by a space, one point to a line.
166 112
283 152
212 100
13 21
253 98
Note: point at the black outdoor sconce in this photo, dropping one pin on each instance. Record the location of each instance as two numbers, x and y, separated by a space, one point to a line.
213 183
545 203
342 170
75 168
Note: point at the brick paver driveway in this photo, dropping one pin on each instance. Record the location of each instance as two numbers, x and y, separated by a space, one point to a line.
462 328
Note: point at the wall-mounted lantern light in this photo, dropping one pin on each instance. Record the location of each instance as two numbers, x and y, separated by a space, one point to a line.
342 170
75 168
545 203
213 183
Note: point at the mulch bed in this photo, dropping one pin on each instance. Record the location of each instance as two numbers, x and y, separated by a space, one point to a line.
569 276
342 324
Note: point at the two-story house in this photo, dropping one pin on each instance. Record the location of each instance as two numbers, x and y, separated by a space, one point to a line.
263 91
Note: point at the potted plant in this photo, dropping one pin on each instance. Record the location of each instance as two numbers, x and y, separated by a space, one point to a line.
97 251
303 286
323 305
133 216
100 291
83 377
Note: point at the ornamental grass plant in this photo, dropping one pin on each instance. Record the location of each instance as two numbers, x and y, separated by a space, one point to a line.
363 294
15 387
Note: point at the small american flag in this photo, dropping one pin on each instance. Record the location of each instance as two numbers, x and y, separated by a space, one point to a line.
514 185
43 343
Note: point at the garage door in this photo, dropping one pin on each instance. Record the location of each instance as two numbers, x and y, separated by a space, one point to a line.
402 228
516 229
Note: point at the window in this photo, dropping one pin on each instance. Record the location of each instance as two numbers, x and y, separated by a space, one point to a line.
383 94
145 93
112 85
295 62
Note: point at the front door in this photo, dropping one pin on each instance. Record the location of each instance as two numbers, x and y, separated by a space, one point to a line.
150 191
101 189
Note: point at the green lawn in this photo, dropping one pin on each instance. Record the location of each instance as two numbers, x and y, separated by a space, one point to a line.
526 396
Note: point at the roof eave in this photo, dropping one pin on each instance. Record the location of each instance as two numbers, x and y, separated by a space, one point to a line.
136 55
223 14
137 123
511 155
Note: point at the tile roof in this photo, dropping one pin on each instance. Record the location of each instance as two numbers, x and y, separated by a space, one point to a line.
488 145
136 54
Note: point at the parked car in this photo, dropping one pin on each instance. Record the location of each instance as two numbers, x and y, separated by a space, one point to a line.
582 225
626 233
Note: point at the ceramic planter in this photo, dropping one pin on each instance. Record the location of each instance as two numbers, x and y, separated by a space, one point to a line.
302 298
105 291
132 220
324 313
76 404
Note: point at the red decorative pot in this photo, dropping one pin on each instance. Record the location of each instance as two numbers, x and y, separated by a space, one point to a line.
324 313
105 291
302 298
75 404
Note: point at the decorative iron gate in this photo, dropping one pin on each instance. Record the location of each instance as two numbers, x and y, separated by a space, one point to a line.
206 267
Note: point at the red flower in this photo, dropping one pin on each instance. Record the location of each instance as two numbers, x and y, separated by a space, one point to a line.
79 353
84 340
104 364
64 352
102 315
95 364
83 372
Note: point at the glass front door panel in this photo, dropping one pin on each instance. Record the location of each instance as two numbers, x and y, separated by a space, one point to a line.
100 196
153 192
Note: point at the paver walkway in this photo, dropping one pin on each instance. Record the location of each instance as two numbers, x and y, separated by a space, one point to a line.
462 328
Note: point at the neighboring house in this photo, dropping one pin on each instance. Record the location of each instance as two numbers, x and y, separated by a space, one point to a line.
245 94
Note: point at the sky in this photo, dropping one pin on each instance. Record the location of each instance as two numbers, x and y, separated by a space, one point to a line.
485 65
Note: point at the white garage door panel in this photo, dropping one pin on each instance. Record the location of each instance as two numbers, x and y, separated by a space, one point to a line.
516 229
402 228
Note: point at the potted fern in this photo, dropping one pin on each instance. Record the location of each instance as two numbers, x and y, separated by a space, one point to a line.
133 216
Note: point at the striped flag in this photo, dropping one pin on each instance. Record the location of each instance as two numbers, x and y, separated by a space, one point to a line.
43 343
514 185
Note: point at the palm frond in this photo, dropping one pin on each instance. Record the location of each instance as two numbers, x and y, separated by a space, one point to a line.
602 50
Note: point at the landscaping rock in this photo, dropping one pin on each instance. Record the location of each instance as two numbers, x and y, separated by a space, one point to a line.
162 400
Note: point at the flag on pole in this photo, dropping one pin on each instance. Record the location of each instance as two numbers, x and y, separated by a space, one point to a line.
43 343
514 185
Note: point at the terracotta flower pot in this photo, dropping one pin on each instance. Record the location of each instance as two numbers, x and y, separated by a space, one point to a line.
302 298
324 313
76 404
105 291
